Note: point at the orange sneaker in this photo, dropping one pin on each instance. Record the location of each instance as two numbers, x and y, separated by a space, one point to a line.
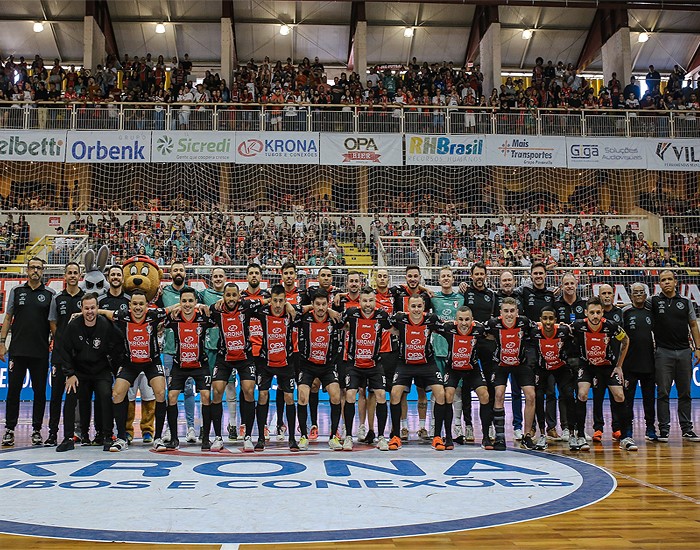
438 444
598 436
394 443
617 435
313 433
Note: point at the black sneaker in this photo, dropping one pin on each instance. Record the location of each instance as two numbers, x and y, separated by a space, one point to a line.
206 445
107 445
690 435
527 443
486 443
460 440
173 444
663 436
51 441
66 445
8 440
449 444
260 445
85 440
293 445
99 440
499 444
37 440
369 438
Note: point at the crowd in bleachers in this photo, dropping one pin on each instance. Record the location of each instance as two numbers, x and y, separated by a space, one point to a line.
14 236
305 82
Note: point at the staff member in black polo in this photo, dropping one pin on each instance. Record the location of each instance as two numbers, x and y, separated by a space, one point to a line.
86 346
673 316
63 306
27 316
639 363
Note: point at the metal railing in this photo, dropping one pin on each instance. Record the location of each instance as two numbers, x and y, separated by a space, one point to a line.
58 249
402 251
347 119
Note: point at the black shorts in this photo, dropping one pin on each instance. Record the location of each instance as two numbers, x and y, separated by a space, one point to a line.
597 376
471 379
522 374
224 369
372 378
389 360
201 377
308 372
285 377
424 375
131 371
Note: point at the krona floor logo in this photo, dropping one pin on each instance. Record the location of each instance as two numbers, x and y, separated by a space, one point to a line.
164 145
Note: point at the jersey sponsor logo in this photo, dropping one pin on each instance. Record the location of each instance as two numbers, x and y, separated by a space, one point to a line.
462 351
511 341
416 338
35 479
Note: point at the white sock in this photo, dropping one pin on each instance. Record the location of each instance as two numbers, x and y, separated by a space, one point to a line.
232 404
404 423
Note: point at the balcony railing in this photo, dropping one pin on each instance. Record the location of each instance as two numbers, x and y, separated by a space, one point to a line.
411 119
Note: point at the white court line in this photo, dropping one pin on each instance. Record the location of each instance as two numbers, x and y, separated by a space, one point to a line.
657 487
230 546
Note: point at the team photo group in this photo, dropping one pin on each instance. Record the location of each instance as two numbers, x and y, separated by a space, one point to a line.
365 344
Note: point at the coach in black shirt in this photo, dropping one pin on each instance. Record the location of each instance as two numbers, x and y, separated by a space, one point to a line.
673 316
639 363
86 346
27 316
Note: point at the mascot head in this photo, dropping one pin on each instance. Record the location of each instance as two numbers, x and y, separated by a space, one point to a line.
95 279
143 273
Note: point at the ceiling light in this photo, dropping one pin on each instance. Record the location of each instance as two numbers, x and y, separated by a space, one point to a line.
643 37
160 28
285 30
527 34
408 32
38 27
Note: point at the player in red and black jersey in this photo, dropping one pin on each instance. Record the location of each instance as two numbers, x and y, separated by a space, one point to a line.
416 364
600 365
401 294
463 366
551 341
139 330
325 282
276 353
510 331
190 360
234 355
365 326
319 336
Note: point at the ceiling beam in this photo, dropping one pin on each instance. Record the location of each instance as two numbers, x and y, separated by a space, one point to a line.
45 14
606 23
99 10
483 17
357 14
227 11
694 64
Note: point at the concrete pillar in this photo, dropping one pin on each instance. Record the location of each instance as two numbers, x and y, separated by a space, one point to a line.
617 57
94 49
224 186
228 49
363 189
359 51
490 58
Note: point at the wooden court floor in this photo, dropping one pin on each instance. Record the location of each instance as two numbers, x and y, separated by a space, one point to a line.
656 505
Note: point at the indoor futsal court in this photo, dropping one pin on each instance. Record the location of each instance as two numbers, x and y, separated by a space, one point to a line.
413 498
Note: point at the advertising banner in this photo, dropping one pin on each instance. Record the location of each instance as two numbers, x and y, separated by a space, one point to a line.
362 149
277 148
193 146
673 154
45 145
454 150
107 147
609 153
529 151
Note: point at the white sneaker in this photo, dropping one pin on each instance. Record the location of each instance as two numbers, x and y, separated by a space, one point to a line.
517 434
118 446
541 443
347 443
583 444
166 436
565 434
588 436
159 445
217 445
382 444
628 444
248 446
191 435
303 443
469 433
282 433
362 433
404 434
334 444
422 433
